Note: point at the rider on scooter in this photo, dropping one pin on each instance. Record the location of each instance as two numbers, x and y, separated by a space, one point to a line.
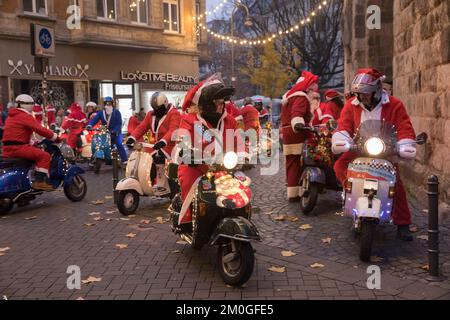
161 123
19 128
112 119
371 102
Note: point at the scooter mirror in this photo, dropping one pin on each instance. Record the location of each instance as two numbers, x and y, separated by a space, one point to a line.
422 138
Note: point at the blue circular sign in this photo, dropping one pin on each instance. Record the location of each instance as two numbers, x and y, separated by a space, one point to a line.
45 38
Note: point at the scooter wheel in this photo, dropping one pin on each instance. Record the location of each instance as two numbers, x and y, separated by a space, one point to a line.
97 165
366 240
6 208
76 191
128 202
236 267
309 200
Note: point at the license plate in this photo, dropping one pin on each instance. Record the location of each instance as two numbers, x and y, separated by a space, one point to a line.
370 184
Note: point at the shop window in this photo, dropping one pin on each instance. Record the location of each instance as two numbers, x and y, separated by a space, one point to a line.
138 11
35 6
106 9
171 13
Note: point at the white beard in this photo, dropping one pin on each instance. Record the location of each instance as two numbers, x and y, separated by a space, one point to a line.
109 111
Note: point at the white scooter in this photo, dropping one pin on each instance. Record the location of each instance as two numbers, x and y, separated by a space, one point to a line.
371 179
138 180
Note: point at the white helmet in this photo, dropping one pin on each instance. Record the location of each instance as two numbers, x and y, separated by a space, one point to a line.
91 104
25 101
159 99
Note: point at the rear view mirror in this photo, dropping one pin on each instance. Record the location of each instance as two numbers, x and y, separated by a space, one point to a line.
422 138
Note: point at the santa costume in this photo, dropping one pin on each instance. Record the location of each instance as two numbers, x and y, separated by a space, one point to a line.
296 109
74 123
391 110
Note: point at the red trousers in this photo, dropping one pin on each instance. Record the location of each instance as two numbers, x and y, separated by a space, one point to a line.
400 214
294 171
187 177
40 158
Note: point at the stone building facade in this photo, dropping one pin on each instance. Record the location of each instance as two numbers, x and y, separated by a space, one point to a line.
413 49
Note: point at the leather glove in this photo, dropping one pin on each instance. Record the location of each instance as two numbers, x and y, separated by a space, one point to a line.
159 158
89 128
130 142
159 145
299 127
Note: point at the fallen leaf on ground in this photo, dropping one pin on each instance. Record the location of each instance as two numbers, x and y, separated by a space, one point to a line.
89 224
426 267
413 229
91 279
423 237
277 269
280 218
125 219
317 265
292 218
94 213
79 298
111 211
109 219
376 259
288 253
108 197
2 254
176 251
305 227
31 218
181 242
327 240
97 202
269 213
5 249
98 219
425 210
121 246
131 216
145 221
63 220
131 235
159 220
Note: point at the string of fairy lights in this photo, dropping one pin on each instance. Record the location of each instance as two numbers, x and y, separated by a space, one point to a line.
201 21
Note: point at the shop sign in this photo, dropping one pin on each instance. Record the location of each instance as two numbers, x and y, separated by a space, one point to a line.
75 71
157 77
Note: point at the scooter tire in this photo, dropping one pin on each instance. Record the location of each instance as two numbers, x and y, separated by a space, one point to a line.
247 264
5 209
121 205
366 240
76 197
97 165
308 203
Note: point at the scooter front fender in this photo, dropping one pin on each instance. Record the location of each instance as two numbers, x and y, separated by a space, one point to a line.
130 184
99 154
316 175
71 173
236 228
365 210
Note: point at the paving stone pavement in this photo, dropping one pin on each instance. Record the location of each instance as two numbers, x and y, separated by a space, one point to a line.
155 265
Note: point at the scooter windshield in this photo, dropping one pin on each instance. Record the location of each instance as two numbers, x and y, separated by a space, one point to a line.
379 129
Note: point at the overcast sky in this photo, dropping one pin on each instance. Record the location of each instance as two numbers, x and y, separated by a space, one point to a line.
210 5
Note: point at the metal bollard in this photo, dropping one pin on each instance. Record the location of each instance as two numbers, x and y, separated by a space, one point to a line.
433 229
115 179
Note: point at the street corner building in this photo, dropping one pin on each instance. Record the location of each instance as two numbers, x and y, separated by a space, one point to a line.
126 49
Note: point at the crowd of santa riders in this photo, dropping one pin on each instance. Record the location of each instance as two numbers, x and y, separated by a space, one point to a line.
210 104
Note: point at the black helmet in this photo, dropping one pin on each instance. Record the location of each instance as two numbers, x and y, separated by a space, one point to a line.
214 92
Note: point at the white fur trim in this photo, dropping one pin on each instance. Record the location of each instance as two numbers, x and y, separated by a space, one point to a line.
295 94
297 120
41 170
293 192
54 137
326 116
187 202
293 149
239 118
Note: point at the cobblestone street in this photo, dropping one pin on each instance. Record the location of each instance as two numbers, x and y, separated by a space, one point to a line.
47 237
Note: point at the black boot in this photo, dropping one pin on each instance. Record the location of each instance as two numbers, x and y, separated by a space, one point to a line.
403 233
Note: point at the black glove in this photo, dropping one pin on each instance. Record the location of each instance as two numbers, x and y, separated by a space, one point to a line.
159 158
299 127
89 128
159 145
130 142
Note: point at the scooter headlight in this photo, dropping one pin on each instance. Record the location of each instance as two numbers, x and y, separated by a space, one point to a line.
375 146
230 160
67 152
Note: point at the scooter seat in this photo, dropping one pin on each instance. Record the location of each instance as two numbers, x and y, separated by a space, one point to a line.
14 162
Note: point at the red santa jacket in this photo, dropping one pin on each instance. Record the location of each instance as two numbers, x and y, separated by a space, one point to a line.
50 114
297 110
75 121
326 111
193 125
20 126
133 123
233 111
250 117
390 109
38 113
166 126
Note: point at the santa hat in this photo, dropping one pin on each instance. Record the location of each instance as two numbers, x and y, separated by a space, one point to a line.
331 94
193 96
306 80
371 72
